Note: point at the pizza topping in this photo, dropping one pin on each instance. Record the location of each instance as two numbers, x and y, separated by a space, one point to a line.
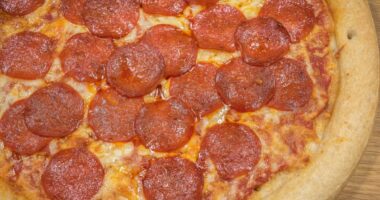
178 49
85 56
197 89
293 85
72 10
164 7
262 41
16 135
165 125
110 18
234 149
20 7
73 174
173 178
245 87
112 116
135 70
26 55
203 2
214 28
297 16
54 111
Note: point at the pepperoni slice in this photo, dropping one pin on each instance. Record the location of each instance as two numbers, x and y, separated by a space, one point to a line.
15 133
297 16
20 7
262 41
197 89
112 116
293 85
54 111
245 87
110 18
72 10
233 148
164 7
26 55
73 174
214 28
203 2
165 125
173 178
135 70
178 49
85 56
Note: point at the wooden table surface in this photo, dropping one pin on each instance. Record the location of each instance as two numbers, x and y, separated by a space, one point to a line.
365 182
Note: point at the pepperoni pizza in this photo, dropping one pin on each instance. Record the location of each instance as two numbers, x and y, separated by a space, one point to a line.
183 99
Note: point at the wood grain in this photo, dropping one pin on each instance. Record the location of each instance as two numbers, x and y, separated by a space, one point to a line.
365 182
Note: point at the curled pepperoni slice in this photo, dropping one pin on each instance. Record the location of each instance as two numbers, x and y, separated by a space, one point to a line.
173 178
165 125
163 7
214 28
245 87
233 148
73 174
197 89
203 2
26 55
178 50
112 116
54 111
15 133
135 70
293 85
110 18
72 10
262 41
297 16
20 7
85 56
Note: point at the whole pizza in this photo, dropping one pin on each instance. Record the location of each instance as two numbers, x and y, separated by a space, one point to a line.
184 99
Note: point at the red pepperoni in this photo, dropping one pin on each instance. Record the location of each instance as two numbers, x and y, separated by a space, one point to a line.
214 28
15 134
54 111
73 174
203 2
72 10
135 70
164 7
234 149
26 55
262 41
293 85
20 7
173 178
110 18
297 16
85 56
245 87
165 125
178 49
112 116
197 89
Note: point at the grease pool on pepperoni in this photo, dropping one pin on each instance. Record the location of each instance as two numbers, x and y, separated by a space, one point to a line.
72 10
233 148
203 2
293 85
178 49
16 135
172 178
112 116
85 56
245 87
297 16
110 18
20 7
135 69
165 125
54 111
73 174
26 55
214 28
163 7
262 41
